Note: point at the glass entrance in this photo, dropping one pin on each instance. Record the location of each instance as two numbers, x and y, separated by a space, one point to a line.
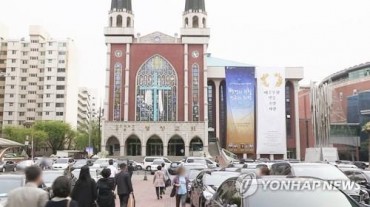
154 147
133 146
176 146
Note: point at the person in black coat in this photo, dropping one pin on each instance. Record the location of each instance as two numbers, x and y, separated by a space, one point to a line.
61 190
131 169
124 185
106 197
85 191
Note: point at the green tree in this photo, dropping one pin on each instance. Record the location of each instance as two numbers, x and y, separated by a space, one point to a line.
59 134
366 129
20 134
83 133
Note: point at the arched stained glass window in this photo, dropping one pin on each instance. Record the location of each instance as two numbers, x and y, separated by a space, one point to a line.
156 92
117 92
195 92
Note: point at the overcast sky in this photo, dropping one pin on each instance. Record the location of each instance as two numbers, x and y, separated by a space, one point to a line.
323 36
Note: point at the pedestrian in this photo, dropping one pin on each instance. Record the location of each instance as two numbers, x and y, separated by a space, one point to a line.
131 169
68 173
167 177
159 182
181 183
30 195
124 185
113 170
106 196
85 191
61 191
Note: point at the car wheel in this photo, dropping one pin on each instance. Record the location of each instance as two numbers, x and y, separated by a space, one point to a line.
139 168
148 168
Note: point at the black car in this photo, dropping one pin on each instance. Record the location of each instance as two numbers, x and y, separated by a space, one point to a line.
206 184
8 166
229 194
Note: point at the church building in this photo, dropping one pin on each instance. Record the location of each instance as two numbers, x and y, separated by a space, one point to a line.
165 95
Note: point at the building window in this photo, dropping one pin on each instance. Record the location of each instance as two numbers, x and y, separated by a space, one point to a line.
47 104
47 113
211 109
23 79
48 78
48 86
61 78
195 92
58 105
156 91
23 87
12 69
24 70
288 109
23 96
61 70
10 113
22 105
11 95
21 113
59 113
60 87
62 61
60 95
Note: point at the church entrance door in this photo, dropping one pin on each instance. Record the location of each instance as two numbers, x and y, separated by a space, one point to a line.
176 146
154 146
133 146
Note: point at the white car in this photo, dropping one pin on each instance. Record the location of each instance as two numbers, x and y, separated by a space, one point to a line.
156 163
210 163
62 163
103 163
149 160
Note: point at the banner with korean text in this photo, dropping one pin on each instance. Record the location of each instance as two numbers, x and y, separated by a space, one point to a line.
271 114
240 96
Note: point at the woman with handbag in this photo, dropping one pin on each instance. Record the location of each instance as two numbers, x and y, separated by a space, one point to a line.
180 187
61 190
106 196
159 182
85 191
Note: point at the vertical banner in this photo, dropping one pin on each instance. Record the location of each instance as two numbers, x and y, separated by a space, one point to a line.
240 96
271 114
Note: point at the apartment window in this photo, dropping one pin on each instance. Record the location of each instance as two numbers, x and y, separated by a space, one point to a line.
62 61
47 104
59 113
1 95
22 105
41 79
12 69
50 44
24 70
42 61
14 60
50 52
31 101
48 78
39 113
31 110
58 105
11 95
61 78
11 104
62 53
24 53
33 66
42 53
50 61
12 78
39 105
33 75
60 95
23 87
48 95
24 62
61 70
32 83
12 86
60 87
23 79
31 92
47 113
41 96
23 96
41 70
34 41
10 113
14 52
30 118
64 44
25 44
48 86
41 87
10 122
21 113
33 58
49 69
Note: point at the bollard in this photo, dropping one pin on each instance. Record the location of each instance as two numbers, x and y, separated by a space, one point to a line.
145 177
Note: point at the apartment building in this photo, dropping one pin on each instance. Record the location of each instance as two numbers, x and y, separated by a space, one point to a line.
87 106
40 80
3 53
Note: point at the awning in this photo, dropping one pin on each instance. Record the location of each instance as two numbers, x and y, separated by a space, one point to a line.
9 143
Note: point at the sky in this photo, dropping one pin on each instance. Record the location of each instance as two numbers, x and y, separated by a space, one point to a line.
321 36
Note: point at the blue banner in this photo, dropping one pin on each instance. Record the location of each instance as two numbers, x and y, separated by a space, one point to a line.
240 96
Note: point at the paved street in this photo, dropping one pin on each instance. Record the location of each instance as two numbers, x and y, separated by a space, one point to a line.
145 193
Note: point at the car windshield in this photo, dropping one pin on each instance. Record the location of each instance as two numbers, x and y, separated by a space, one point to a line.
318 198
62 161
325 172
49 177
8 185
217 178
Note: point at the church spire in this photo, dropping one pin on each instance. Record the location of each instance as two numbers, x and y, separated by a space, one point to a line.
121 5
195 6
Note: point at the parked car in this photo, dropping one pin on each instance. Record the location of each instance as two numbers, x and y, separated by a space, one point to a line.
24 164
173 167
138 165
84 162
9 183
360 177
50 176
191 175
103 163
361 165
228 195
194 166
346 166
149 160
321 171
206 184
210 163
8 166
62 163
156 163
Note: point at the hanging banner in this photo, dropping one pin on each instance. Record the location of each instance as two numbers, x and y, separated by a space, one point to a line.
240 96
271 114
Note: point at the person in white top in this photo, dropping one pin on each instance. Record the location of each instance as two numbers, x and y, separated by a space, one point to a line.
113 170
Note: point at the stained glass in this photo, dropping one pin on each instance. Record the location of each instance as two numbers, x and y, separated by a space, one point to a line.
117 92
156 91
195 88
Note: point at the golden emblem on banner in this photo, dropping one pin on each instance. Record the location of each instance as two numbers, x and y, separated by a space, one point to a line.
278 80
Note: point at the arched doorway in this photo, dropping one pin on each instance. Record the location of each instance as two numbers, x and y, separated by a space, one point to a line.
176 146
133 146
196 145
113 146
154 146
